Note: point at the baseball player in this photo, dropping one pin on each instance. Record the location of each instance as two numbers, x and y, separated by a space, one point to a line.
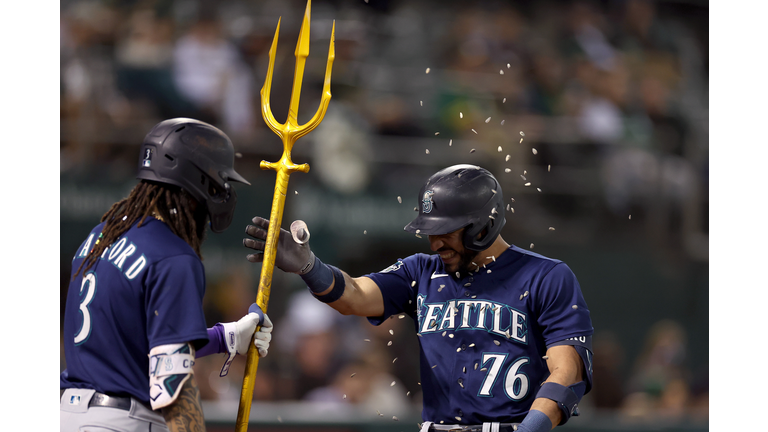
504 333
134 323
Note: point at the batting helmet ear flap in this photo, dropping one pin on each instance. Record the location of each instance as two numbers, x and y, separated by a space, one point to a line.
471 233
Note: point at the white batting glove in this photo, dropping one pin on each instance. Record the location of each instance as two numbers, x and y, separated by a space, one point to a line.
238 335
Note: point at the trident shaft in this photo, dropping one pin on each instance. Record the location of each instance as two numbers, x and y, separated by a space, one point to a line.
288 132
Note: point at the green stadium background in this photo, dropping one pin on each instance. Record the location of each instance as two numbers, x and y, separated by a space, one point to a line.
610 99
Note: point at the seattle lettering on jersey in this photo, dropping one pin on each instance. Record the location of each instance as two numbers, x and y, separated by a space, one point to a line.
474 314
118 254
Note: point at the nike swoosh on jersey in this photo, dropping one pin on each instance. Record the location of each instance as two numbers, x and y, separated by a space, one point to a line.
437 275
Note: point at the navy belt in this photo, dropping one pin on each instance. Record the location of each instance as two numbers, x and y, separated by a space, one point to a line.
102 400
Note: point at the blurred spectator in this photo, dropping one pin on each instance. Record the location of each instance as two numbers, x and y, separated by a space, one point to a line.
309 340
144 60
208 70
659 385
608 387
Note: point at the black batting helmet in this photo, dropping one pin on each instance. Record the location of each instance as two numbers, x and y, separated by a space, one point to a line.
461 196
196 157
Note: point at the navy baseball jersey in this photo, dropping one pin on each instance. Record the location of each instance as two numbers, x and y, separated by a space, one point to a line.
145 290
482 337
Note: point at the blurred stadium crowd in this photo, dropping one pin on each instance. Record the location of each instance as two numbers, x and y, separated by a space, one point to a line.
617 86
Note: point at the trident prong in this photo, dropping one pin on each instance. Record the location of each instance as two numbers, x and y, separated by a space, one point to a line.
288 132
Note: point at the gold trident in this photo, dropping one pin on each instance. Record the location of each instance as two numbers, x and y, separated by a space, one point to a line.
289 133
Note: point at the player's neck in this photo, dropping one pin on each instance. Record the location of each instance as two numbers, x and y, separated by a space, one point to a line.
492 253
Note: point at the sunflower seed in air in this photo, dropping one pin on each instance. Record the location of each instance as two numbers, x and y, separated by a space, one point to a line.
504 100
421 103
538 189
434 366
408 394
472 344
437 133
461 114
475 365
501 71
575 306
531 245
458 275
489 270
474 131
441 288
472 151
528 184
512 209
413 284
458 349
524 179
546 357
483 369
445 333
344 397
427 70
521 133
496 342
389 343
458 418
427 151
401 316
533 150
502 122
392 332
450 335
367 340
393 384
548 167
450 142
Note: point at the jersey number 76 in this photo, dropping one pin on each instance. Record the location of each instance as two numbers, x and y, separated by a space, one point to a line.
515 382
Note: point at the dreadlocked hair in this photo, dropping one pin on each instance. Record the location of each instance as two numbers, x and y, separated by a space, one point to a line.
172 204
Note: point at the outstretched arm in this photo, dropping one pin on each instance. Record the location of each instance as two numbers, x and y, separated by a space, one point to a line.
362 297
350 296
185 414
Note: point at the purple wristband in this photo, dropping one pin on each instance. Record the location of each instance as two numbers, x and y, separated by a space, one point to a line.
216 343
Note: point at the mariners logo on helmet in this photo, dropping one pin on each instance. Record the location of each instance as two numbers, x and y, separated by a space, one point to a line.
426 202
469 197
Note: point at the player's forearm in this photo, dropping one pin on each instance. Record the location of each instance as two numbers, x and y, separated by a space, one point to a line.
358 298
565 367
186 413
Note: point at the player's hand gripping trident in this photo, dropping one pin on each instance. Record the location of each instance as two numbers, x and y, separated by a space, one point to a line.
288 132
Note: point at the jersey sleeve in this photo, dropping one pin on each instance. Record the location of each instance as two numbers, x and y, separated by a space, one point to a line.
174 302
561 309
395 283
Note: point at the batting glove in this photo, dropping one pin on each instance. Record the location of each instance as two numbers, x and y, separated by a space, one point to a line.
293 253
238 335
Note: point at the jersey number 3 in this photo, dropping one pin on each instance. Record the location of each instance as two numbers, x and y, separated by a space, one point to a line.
89 284
515 383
